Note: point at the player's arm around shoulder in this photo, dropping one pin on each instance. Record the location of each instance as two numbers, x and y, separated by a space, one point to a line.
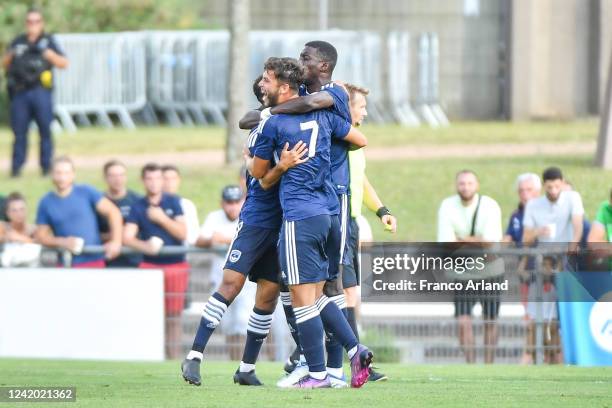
250 119
303 104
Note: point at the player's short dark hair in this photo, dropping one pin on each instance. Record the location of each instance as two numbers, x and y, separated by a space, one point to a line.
466 171
148 168
170 167
257 90
286 70
552 173
354 89
112 163
326 51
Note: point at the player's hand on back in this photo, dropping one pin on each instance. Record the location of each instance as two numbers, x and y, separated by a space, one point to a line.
291 158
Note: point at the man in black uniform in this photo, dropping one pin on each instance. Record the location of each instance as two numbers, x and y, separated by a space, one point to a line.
28 62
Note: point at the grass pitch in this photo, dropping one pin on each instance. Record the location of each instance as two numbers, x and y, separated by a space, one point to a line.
121 384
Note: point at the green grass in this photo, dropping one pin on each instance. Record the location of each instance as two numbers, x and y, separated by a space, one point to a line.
412 189
165 139
106 384
484 132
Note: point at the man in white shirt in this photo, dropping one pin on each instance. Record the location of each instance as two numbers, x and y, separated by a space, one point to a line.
556 217
473 218
172 183
218 230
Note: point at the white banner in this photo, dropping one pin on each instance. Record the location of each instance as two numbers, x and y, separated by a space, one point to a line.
101 314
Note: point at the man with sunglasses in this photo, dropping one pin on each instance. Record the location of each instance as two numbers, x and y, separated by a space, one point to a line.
28 61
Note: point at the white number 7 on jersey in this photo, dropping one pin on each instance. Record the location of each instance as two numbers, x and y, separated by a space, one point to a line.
314 126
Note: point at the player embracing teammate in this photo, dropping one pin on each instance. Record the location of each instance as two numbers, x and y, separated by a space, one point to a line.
310 234
313 193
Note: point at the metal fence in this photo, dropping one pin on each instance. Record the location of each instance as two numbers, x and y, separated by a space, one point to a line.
399 332
106 76
181 77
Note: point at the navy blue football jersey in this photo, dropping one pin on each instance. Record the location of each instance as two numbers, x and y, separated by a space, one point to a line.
339 147
261 207
305 190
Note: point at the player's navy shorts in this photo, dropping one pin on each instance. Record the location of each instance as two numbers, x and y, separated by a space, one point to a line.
302 250
351 271
253 253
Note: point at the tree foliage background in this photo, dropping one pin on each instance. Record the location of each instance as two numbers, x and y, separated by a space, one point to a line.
63 16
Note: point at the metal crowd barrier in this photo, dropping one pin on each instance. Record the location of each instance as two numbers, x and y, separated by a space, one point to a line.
106 76
181 77
428 98
188 70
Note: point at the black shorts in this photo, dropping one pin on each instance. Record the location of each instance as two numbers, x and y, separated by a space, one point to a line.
351 272
489 300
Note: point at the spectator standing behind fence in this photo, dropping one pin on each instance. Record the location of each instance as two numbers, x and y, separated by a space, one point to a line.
66 218
469 217
115 177
556 217
155 221
28 61
172 184
18 235
528 186
218 230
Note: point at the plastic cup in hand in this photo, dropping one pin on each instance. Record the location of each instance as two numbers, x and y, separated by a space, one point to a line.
157 243
79 243
552 230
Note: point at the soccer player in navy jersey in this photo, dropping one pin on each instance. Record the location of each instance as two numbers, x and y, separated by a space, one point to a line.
310 218
318 59
252 254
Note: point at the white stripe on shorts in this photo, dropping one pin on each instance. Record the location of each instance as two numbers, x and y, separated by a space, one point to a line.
343 229
229 250
291 254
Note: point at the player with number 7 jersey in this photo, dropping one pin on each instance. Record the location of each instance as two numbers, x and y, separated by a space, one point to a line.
305 190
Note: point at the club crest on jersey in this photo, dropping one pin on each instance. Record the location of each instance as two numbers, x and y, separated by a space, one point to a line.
235 255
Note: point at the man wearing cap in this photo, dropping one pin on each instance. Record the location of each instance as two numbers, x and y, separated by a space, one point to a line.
154 221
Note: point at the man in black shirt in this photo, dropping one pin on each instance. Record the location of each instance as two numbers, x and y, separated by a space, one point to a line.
28 61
